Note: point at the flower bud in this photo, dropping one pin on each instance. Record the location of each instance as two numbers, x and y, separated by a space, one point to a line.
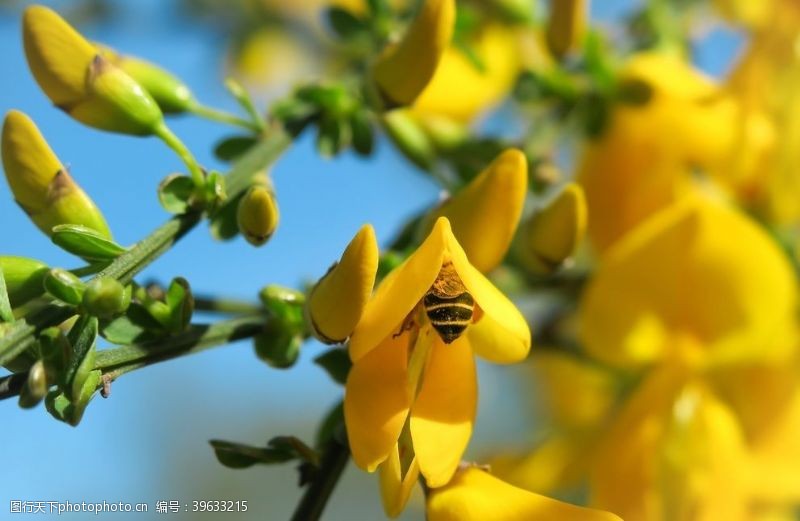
40 184
23 278
337 301
105 297
257 215
485 213
404 69
279 346
566 25
409 137
64 286
35 387
553 234
170 93
80 81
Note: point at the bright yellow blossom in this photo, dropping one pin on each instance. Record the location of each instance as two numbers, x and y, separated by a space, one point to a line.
642 161
476 495
409 394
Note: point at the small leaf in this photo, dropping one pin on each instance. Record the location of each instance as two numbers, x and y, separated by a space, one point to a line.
6 315
329 425
82 337
336 363
231 148
333 136
85 242
363 135
344 23
240 456
59 406
135 326
180 302
64 286
296 446
223 224
176 193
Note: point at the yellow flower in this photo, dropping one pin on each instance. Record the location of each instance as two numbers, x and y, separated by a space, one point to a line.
552 234
476 495
40 183
335 304
403 70
698 282
459 90
484 214
77 79
643 159
412 389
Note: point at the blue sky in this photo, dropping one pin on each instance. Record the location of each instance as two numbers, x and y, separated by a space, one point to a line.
149 440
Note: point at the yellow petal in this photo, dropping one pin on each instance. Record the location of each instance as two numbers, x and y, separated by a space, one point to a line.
566 25
59 57
376 402
459 91
502 334
484 215
395 490
339 298
399 292
444 411
553 234
475 495
680 275
404 69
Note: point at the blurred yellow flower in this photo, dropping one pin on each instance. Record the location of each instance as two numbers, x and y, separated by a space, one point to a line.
412 393
642 160
476 495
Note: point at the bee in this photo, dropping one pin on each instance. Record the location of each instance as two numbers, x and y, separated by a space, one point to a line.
448 304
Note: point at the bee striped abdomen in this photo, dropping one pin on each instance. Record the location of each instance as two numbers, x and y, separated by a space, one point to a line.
449 316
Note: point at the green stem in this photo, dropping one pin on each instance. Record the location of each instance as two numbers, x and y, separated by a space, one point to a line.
227 306
224 117
316 496
120 360
172 141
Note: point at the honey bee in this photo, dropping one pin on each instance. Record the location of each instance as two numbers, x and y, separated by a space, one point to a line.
448 304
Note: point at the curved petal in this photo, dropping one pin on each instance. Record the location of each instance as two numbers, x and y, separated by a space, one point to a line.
376 402
476 495
395 490
502 335
444 411
399 292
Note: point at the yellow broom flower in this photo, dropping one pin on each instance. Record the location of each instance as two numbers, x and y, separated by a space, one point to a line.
40 183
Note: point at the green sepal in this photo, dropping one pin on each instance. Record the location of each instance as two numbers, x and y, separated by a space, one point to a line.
279 345
223 224
64 286
85 242
180 302
336 363
59 406
176 193
137 325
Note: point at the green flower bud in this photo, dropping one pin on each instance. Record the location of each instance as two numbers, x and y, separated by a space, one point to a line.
105 297
171 94
40 183
285 304
279 345
23 278
64 286
409 137
35 388
257 215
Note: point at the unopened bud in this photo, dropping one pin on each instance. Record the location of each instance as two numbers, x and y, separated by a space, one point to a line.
484 214
338 300
64 286
566 25
279 346
40 183
257 215
553 234
404 69
170 93
35 388
105 297
23 278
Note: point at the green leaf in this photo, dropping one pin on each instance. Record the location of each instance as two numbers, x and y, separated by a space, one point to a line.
176 193
223 224
137 325
180 302
279 345
85 242
59 406
240 456
296 446
333 136
345 24
231 148
64 286
82 337
336 363
330 425
6 315
363 135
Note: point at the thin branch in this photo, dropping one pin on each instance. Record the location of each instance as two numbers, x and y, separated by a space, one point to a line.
316 496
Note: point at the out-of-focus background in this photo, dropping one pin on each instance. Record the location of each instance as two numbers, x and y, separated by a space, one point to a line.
149 440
